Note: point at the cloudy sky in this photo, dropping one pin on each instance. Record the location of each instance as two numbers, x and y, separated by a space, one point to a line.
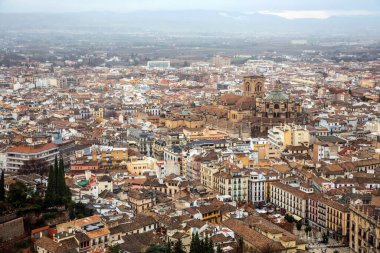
290 9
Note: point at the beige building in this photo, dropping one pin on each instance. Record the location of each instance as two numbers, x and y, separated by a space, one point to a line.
94 233
288 135
329 216
105 184
364 235
141 200
138 165
207 174
233 182
110 156
97 112
191 122
120 157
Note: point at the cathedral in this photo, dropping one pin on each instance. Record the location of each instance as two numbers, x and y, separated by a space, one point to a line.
261 109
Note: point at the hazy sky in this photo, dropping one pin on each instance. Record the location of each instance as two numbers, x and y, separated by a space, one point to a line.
286 8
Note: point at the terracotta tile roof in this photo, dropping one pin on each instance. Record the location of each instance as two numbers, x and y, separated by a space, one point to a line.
97 233
139 242
246 103
251 236
32 149
47 244
367 162
230 99
66 246
79 223
282 168
291 190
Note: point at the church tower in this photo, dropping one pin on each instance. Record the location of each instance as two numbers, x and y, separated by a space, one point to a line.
253 86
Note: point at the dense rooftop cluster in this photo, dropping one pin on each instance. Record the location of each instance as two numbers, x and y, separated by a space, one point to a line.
263 156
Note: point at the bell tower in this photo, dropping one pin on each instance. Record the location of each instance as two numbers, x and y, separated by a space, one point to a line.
253 86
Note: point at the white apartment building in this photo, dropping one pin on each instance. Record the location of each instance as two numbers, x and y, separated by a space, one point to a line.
258 183
256 187
293 199
16 156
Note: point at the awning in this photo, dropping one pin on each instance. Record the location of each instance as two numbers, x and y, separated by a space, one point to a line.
297 218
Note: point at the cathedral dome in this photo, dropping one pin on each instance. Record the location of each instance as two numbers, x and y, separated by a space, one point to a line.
276 95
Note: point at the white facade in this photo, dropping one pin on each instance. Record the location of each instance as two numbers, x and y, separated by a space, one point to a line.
15 158
290 198
172 162
256 187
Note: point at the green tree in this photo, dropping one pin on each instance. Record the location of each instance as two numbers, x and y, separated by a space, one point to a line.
205 244
178 247
299 225
156 248
57 193
219 249
61 185
192 244
195 246
114 248
210 248
202 245
79 210
2 187
17 194
56 176
168 248
50 195
65 189
37 166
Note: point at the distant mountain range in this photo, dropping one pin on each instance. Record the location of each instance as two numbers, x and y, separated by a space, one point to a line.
190 21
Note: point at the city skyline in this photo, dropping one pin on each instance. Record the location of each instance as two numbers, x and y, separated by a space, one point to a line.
153 126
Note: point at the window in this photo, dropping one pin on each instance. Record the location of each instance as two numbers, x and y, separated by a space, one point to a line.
247 87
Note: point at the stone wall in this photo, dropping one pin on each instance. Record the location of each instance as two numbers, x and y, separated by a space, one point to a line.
11 229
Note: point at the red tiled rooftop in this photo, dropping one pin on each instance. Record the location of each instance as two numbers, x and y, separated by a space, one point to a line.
31 149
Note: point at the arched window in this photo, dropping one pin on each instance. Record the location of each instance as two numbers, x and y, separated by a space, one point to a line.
258 87
247 87
276 106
